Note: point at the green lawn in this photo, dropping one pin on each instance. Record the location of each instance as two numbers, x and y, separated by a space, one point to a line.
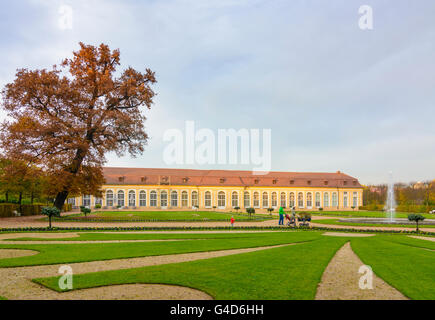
282 273
400 263
338 223
69 253
166 216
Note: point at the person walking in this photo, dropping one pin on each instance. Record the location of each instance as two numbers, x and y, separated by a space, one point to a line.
281 216
232 222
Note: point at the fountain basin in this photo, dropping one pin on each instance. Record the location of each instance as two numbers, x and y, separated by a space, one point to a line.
430 222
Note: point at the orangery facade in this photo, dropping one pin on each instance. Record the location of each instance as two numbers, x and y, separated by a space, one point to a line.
223 190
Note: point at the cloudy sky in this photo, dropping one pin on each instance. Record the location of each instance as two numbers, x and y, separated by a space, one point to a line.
336 97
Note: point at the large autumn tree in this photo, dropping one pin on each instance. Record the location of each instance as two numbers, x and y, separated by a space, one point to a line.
66 119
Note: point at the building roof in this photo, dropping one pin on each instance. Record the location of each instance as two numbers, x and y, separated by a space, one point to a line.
191 177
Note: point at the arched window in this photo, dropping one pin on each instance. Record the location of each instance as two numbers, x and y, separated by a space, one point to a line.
109 198
98 200
195 202
72 201
86 200
121 198
318 200
345 200
291 200
283 200
153 199
174 199
309 200
256 200
355 200
274 200
131 198
221 199
184 199
246 200
265 200
207 199
143 198
300 200
326 199
163 199
334 199
235 199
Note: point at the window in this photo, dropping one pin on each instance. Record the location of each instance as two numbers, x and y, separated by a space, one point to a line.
143 179
174 199
309 200
309 182
355 200
235 199
300 200
184 199
326 199
131 198
292 200
121 199
98 200
142 198
318 200
109 198
247 200
345 183
274 181
195 202
334 199
72 201
256 200
207 199
86 200
163 199
274 200
326 182
256 181
292 182
222 180
153 199
283 200
221 199
121 179
345 200
265 200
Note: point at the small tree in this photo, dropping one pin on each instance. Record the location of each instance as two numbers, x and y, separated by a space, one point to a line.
85 210
416 218
50 212
237 209
270 210
250 211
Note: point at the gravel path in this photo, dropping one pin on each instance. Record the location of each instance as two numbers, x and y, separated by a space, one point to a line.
340 280
15 283
423 238
345 234
16 253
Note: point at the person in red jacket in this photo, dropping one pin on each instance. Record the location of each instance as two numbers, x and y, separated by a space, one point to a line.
232 222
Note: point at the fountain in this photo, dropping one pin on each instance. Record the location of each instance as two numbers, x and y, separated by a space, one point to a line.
390 204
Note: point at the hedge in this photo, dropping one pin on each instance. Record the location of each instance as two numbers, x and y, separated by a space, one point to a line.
7 209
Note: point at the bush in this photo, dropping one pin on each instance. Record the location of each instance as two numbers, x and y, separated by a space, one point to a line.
98 206
85 210
416 218
320 209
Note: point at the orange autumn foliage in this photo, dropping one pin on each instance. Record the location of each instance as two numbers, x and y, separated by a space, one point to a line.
68 118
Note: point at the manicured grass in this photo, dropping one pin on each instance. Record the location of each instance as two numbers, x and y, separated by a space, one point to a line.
69 253
291 272
164 216
407 268
366 214
3 298
338 223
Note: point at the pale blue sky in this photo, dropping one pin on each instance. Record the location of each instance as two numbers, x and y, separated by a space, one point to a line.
335 97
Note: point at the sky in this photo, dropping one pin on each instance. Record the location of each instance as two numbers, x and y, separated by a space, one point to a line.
335 97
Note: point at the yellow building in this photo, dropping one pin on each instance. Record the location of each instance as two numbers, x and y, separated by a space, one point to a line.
224 190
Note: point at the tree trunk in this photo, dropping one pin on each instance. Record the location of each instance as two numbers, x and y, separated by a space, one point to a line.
7 196
49 222
60 199
32 195
417 226
20 199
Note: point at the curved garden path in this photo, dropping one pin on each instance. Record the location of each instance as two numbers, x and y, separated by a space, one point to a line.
340 280
16 284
